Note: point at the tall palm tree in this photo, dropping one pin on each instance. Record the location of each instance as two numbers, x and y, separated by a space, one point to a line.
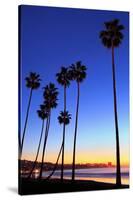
33 83
78 73
42 114
63 80
50 100
111 38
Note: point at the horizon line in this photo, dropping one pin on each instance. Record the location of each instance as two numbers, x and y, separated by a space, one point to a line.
104 163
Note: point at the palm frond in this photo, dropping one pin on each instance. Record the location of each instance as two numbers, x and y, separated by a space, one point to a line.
50 95
64 117
33 80
63 77
43 112
78 71
112 34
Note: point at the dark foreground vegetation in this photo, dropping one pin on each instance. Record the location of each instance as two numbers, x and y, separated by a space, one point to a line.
35 186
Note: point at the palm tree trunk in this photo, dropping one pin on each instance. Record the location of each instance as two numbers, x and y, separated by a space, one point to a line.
19 145
34 164
26 120
118 170
64 126
44 146
75 134
55 163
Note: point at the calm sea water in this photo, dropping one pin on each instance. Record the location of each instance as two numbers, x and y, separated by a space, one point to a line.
97 174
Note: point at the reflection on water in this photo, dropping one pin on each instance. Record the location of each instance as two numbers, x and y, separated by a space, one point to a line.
107 175
107 180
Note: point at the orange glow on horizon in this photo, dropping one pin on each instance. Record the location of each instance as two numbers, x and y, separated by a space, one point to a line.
83 158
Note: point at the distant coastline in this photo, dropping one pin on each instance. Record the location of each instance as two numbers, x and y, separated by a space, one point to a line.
26 165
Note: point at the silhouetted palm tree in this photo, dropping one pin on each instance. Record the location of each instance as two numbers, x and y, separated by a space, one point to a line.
42 114
64 117
111 38
32 82
77 72
50 100
63 80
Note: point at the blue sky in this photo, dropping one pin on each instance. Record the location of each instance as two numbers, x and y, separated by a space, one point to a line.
55 37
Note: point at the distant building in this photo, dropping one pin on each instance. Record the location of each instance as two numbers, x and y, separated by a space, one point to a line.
109 164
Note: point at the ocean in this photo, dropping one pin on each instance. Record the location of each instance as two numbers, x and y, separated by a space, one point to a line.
107 175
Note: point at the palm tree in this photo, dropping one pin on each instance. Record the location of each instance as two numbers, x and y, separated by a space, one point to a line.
77 72
42 114
111 38
63 80
64 117
32 82
50 100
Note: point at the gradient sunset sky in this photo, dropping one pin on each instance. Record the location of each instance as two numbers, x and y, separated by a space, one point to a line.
55 37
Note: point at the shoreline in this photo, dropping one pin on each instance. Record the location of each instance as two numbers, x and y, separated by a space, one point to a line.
35 186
